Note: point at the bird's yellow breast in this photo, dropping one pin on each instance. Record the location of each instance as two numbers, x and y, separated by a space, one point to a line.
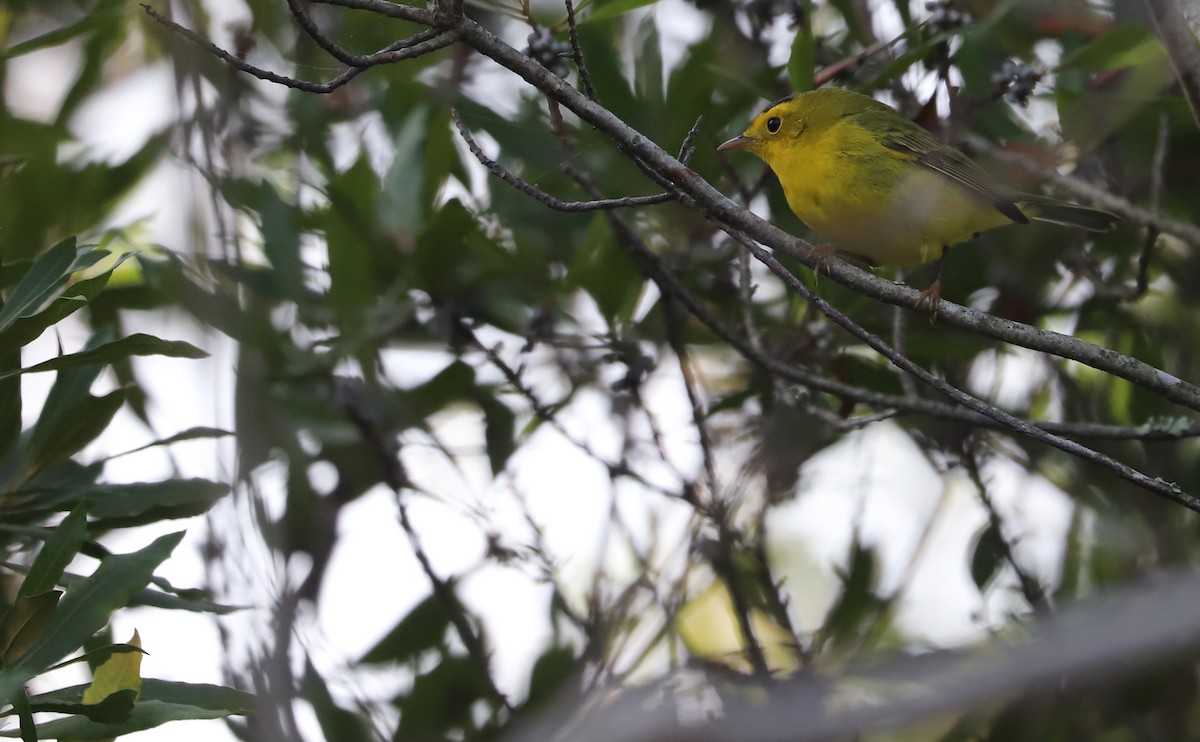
833 179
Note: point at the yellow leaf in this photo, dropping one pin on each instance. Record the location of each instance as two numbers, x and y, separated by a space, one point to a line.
121 671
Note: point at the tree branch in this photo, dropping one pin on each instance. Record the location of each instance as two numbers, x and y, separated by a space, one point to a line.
725 212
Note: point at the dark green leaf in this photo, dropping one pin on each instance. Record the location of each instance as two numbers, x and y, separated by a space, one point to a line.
281 242
499 431
986 556
424 628
134 345
47 274
550 675
200 432
139 503
86 608
24 623
337 724
441 699
184 701
57 552
83 423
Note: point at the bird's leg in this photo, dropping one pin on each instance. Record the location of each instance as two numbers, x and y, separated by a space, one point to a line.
825 255
932 296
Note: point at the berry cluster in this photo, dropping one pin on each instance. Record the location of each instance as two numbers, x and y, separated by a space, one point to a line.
1018 80
549 52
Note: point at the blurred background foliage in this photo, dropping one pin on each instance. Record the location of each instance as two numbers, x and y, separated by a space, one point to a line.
407 328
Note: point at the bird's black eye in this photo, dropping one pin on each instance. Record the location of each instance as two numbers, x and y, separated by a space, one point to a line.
773 124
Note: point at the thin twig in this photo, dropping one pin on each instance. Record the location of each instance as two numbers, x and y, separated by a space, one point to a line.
894 405
1158 486
386 56
675 178
545 198
386 451
386 8
383 56
547 414
672 175
577 53
1033 591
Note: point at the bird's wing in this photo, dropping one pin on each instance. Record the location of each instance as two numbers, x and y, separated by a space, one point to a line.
912 140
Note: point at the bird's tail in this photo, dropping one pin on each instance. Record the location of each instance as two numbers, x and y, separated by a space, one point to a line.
1060 212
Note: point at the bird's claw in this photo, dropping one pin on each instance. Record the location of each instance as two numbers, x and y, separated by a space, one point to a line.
931 297
824 260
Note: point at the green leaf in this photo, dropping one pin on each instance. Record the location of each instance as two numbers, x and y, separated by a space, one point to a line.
47 274
802 63
499 431
199 432
71 388
28 728
1126 45
986 557
10 401
615 9
607 273
137 344
116 707
161 701
74 297
550 674
57 552
399 207
86 608
85 421
857 604
24 623
441 699
281 242
139 503
337 724
424 628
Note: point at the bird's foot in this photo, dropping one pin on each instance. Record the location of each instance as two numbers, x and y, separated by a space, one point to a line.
825 255
931 298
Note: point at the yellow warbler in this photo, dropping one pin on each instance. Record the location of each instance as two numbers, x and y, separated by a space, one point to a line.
882 188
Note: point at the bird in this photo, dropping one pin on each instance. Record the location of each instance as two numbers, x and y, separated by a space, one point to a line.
882 188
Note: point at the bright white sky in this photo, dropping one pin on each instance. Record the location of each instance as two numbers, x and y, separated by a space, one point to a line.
876 478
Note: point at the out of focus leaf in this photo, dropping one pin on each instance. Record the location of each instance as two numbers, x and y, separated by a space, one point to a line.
441 699
549 676
986 557
337 724
424 628
499 431
802 62
614 9
1126 45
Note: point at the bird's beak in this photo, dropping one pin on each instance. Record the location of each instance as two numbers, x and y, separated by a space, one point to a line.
739 142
